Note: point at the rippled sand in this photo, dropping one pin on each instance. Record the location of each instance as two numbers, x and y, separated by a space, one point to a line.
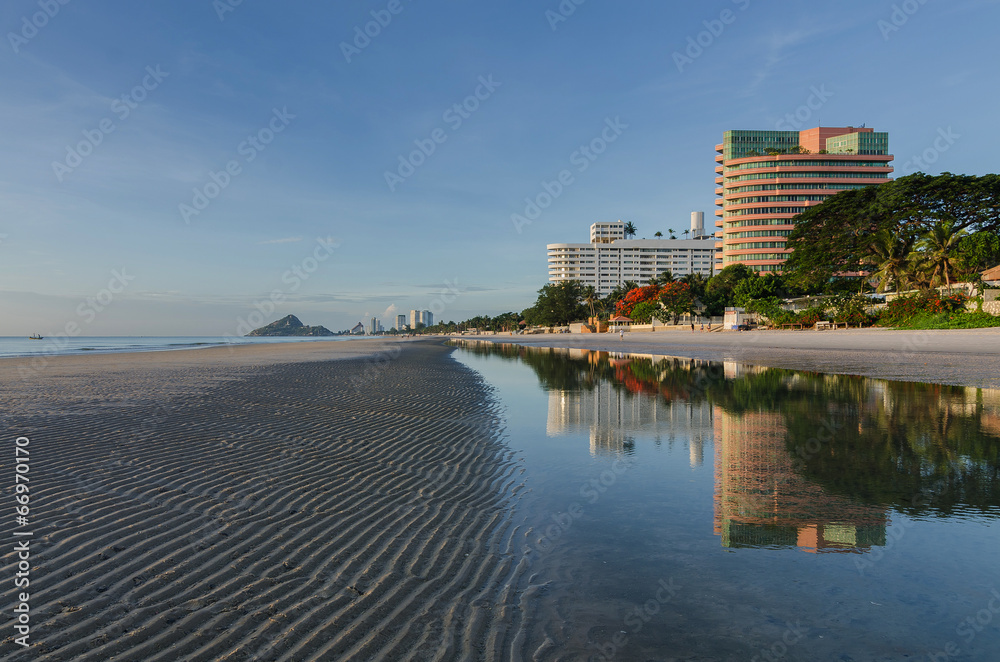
267 504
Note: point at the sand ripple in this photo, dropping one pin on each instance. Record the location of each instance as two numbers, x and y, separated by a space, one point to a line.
297 514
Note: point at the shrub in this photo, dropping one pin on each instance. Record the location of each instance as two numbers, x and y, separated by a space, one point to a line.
899 311
853 309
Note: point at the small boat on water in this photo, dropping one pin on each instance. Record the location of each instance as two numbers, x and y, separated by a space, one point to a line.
36 337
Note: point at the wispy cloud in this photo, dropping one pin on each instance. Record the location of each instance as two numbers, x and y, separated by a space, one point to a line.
284 240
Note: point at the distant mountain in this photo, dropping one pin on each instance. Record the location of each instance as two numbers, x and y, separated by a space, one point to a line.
290 326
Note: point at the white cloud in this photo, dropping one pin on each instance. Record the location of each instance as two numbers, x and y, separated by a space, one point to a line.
284 240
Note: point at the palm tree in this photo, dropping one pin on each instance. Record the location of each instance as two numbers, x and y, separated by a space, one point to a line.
629 285
591 298
686 233
665 277
936 249
672 235
629 230
657 234
891 255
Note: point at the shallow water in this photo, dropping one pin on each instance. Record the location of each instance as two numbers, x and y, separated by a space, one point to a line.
59 345
704 511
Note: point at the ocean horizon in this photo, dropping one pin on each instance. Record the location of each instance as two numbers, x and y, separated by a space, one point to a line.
19 346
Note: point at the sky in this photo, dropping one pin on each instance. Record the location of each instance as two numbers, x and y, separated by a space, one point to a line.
191 167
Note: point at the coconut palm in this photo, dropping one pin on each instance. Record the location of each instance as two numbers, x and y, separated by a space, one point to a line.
671 232
935 252
657 234
891 255
591 298
629 230
686 233
665 277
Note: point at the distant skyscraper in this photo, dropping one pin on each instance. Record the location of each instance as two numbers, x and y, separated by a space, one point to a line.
415 318
401 322
374 327
427 318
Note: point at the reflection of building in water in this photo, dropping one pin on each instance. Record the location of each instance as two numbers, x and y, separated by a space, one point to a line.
614 417
760 500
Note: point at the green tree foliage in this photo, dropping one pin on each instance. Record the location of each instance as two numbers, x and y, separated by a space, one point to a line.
836 236
757 287
558 304
721 288
936 254
630 230
644 311
979 251
890 255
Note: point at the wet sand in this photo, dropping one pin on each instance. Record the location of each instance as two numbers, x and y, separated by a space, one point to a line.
960 357
265 503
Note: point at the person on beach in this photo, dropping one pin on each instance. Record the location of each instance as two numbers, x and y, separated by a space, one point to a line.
621 334
692 327
703 327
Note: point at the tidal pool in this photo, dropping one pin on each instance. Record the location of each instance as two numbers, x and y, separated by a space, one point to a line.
692 510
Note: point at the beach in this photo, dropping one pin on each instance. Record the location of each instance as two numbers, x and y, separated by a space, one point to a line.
342 500
347 500
959 357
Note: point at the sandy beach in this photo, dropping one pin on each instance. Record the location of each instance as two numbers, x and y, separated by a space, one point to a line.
343 500
960 357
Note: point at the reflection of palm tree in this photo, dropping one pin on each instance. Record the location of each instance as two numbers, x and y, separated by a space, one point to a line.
936 251
890 254
629 230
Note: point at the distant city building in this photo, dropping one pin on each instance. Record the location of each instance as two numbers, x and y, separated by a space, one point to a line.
609 259
765 178
375 327
421 317
358 329
401 322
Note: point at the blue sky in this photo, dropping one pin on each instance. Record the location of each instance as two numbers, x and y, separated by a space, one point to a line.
100 238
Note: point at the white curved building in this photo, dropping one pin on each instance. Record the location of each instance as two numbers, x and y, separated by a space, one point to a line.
610 259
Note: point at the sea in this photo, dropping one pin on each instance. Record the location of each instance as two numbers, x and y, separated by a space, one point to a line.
55 346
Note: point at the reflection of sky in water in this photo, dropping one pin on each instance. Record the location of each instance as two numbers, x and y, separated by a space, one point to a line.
641 476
